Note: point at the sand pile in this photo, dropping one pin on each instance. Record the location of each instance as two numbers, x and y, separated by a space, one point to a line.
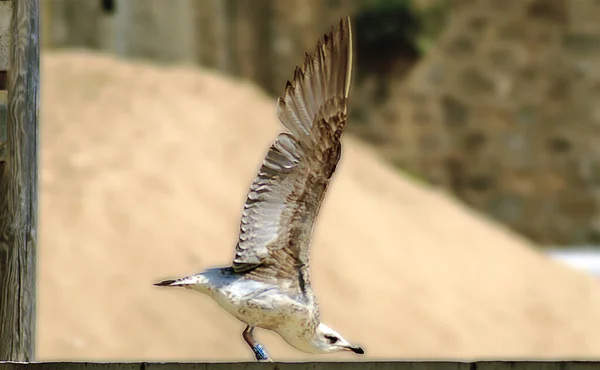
144 171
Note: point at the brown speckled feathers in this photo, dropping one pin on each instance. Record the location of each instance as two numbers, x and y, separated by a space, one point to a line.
285 197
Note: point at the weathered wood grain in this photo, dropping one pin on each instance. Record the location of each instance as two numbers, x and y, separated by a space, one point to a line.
380 365
18 189
3 119
5 16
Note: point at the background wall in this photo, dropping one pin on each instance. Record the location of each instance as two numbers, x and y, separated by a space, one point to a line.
145 166
504 113
495 103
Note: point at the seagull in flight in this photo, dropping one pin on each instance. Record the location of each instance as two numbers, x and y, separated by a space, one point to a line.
267 285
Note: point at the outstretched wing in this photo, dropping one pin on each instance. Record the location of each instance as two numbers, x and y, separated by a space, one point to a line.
285 197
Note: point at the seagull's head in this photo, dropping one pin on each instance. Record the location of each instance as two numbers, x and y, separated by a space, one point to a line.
328 340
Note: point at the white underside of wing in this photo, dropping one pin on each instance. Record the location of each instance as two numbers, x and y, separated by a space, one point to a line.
262 218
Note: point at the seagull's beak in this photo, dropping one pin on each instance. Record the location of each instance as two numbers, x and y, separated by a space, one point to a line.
356 349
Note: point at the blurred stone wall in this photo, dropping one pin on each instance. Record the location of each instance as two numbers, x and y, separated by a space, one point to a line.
502 112
260 40
505 114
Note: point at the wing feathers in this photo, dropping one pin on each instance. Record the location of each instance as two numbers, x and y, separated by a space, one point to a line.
285 197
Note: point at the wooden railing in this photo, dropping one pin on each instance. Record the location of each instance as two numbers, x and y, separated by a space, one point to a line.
524 365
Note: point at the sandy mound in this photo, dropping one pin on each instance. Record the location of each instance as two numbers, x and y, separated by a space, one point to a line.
144 173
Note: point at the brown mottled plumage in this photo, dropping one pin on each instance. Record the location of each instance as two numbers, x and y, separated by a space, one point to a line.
267 284
285 198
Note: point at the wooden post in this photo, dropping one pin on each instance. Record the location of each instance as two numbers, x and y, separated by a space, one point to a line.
19 185
5 21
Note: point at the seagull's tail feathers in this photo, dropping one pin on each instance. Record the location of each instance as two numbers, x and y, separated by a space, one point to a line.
197 282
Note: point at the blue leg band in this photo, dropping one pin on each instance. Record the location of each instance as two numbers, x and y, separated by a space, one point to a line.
260 353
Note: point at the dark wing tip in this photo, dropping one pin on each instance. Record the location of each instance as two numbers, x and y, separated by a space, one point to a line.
298 75
327 69
341 33
345 21
289 88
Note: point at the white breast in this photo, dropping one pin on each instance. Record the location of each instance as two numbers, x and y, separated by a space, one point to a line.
260 304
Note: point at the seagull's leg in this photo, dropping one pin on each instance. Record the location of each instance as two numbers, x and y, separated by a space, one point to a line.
259 351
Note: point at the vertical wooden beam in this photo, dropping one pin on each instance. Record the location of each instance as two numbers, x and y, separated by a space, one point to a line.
5 21
222 30
18 188
174 23
3 119
262 17
208 40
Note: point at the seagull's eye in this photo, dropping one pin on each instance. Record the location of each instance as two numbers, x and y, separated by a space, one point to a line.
332 339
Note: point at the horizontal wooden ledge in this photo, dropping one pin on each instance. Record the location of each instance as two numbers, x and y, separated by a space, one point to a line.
378 365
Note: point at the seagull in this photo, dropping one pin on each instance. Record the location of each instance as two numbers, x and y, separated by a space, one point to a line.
267 285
